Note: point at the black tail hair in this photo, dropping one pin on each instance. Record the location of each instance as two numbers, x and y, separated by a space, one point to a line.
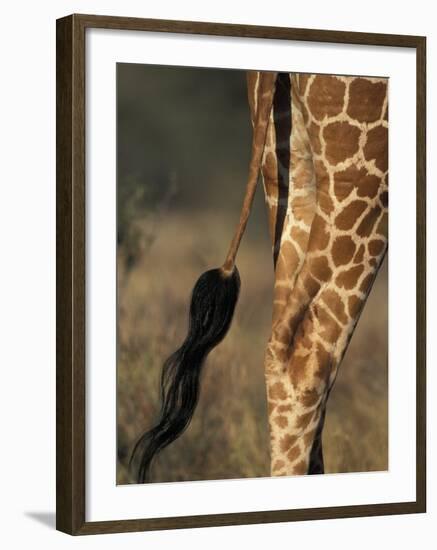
213 301
212 307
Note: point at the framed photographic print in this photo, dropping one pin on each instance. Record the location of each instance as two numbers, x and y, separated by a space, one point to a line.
240 298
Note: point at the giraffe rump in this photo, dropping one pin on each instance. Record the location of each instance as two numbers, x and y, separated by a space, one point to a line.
213 302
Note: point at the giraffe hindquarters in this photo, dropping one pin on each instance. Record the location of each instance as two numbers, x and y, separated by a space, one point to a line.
346 126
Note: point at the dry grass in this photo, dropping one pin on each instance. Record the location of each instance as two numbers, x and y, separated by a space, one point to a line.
228 437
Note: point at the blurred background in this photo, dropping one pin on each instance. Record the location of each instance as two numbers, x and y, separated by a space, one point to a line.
183 138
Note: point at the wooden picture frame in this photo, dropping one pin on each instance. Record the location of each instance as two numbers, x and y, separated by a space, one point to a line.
71 278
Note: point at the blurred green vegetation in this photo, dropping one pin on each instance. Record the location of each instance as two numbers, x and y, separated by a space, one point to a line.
186 123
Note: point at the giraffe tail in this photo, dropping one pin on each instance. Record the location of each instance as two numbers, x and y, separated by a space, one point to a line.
213 302
212 307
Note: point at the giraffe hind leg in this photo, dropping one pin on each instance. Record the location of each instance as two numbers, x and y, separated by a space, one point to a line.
347 243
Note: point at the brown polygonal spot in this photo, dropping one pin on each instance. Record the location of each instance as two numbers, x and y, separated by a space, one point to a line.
326 96
367 223
348 278
303 420
293 453
343 250
300 468
309 397
366 100
354 305
376 147
349 215
287 442
277 391
319 233
320 269
342 141
278 465
281 421
369 186
376 247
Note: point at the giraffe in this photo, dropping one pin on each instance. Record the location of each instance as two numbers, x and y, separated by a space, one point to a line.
321 144
325 172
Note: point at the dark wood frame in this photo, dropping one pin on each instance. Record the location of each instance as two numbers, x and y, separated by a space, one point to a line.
70 274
